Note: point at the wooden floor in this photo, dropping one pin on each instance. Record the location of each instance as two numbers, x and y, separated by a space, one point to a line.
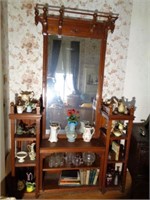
93 194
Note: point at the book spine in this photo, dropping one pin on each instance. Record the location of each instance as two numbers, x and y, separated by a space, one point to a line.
92 175
84 177
96 177
87 176
81 176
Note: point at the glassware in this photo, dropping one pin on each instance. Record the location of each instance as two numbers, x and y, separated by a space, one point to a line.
77 160
69 157
56 160
88 158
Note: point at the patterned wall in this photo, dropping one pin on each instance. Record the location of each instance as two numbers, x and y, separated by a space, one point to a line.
25 44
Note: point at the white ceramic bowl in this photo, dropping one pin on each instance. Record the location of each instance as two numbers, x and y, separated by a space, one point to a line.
21 155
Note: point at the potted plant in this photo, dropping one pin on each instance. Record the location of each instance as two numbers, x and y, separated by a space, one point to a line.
72 118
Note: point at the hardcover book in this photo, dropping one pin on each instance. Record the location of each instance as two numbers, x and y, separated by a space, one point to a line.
70 178
96 177
70 175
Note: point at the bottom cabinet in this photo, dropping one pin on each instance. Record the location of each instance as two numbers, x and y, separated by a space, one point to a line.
72 167
23 183
114 176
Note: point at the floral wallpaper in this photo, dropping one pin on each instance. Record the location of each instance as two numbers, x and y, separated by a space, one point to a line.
25 44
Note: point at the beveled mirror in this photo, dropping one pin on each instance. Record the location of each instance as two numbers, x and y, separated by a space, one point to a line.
74 46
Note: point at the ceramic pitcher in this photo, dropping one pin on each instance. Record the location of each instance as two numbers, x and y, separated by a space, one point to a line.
31 150
54 129
27 95
88 133
30 187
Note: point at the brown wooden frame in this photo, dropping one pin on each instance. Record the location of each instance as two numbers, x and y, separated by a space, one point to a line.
60 21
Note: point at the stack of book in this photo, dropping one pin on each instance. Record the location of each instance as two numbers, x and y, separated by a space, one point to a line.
89 176
70 178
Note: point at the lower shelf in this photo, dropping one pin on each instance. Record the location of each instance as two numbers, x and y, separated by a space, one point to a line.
52 188
15 187
114 188
51 182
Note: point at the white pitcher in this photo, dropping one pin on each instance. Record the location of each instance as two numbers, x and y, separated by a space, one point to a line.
88 133
54 129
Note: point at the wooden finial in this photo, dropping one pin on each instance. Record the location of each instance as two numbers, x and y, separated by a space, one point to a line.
12 107
60 23
94 21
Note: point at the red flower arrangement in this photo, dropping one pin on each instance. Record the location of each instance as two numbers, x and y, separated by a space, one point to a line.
72 116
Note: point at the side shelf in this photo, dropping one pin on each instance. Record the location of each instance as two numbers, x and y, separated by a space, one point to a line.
25 137
117 145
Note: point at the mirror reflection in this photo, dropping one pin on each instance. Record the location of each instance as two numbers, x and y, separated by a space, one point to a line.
72 78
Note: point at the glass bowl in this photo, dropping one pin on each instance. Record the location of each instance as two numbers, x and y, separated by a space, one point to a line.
88 158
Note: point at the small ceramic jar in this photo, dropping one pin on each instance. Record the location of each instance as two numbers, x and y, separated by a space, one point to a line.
20 109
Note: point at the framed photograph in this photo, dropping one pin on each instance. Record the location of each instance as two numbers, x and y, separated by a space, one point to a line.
91 79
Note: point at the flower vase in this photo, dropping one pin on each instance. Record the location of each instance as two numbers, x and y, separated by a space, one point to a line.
71 132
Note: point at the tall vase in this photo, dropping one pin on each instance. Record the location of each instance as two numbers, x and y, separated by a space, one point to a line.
71 132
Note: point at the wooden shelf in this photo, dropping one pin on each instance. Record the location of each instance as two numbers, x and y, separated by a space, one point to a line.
114 187
26 163
107 112
20 142
51 184
24 137
107 136
70 167
47 148
112 136
27 116
116 161
95 145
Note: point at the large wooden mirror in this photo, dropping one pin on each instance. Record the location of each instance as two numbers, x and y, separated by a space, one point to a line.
73 62
72 78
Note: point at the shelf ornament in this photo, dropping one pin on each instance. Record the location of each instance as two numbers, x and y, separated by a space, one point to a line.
54 130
